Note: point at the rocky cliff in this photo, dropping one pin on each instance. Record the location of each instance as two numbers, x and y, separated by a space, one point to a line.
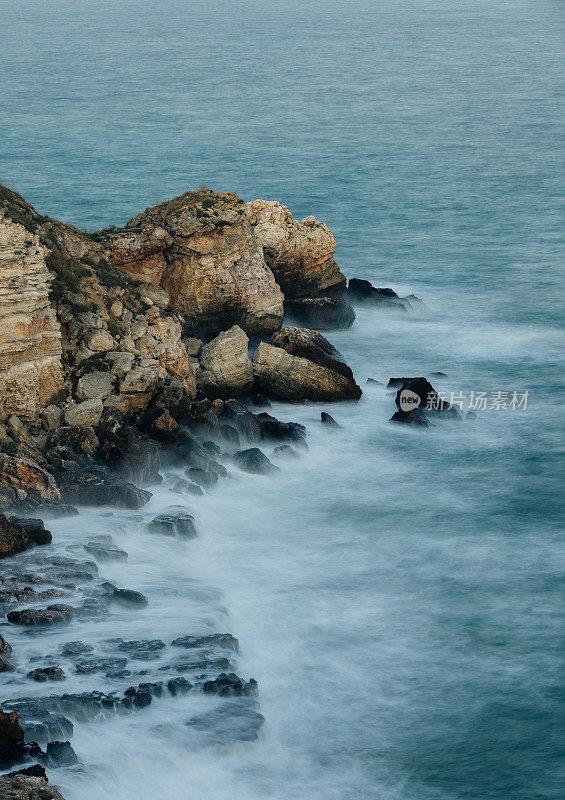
30 337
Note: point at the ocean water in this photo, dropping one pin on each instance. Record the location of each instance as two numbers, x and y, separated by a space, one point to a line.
396 592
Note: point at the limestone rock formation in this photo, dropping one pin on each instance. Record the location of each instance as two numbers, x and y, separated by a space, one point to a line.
30 347
225 369
300 254
201 248
22 479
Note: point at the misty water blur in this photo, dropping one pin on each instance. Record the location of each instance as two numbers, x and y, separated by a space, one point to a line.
395 591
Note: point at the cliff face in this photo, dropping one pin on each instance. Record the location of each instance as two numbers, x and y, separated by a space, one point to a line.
30 338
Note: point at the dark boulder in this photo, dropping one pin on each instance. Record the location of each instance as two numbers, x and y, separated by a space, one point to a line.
361 291
253 460
416 399
143 649
95 487
105 552
327 419
230 685
11 739
128 597
286 451
274 429
131 455
203 477
174 525
325 313
76 649
59 754
35 530
43 674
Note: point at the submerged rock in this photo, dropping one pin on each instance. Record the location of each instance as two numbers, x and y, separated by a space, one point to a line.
51 615
236 720
43 674
253 460
174 525
364 292
230 685
94 487
225 641
327 419
59 754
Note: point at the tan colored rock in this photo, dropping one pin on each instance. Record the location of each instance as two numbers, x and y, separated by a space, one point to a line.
300 254
23 475
100 341
214 271
84 414
95 384
26 787
121 362
225 368
297 379
30 338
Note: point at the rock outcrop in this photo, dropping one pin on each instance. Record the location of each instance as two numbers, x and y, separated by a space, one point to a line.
300 254
22 479
201 248
30 348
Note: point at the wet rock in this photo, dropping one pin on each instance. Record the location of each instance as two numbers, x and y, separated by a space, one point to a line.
327 419
362 291
51 615
253 460
285 450
225 369
424 400
374 382
203 477
224 641
11 739
178 686
5 648
143 649
245 421
71 649
13 538
59 754
95 487
35 530
86 414
230 685
235 720
274 429
129 597
324 313
228 433
43 674
298 378
174 525
35 771
132 456
260 401
23 786
105 552
110 666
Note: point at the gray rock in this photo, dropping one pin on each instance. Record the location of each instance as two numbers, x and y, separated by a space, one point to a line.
84 414
95 384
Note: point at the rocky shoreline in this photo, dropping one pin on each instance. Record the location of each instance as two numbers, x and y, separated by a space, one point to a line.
126 352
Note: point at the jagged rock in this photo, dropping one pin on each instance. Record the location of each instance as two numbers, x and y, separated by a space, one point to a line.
100 341
324 313
192 346
128 597
95 385
230 685
327 419
300 254
142 650
86 414
285 450
5 648
201 248
17 534
23 477
253 460
296 379
43 674
110 666
41 616
51 417
236 720
121 363
35 530
202 477
245 422
225 368
30 339
11 739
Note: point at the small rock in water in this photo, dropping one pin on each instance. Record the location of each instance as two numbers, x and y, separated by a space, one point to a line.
59 754
41 616
374 382
105 552
253 460
203 477
107 665
223 640
327 419
47 674
285 450
76 649
438 374
143 650
173 525
230 685
128 597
